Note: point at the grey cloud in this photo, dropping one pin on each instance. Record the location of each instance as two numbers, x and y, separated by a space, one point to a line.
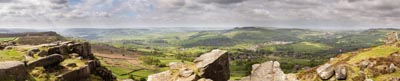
221 1
5 1
59 1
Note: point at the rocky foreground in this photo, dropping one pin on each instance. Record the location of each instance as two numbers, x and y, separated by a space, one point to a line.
59 61
214 66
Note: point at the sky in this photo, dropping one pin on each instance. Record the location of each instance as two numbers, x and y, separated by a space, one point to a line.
323 14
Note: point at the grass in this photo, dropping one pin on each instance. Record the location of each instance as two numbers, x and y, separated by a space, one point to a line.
380 51
11 55
78 62
386 77
7 38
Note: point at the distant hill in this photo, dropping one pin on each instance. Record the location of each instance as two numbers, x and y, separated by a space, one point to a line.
32 38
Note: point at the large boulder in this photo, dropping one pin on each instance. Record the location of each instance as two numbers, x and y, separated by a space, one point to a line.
341 72
64 49
83 49
81 74
13 71
163 76
96 68
267 71
325 71
214 65
46 61
291 77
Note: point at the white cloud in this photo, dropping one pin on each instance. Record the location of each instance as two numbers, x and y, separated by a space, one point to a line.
228 13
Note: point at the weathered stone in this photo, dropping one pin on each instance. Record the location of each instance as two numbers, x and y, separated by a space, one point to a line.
13 71
364 64
214 65
189 78
45 61
203 79
268 71
391 38
83 49
42 53
163 76
31 52
81 74
93 64
54 50
325 71
9 47
254 66
392 68
64 49
175 65
185 72
105 74
341 72
291 77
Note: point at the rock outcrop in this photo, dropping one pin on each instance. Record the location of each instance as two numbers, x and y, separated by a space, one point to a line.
13 70
267 71
341 72
214 65
325 71
81 48
96 68
163 76
51 57
48 60
210 66
391 38
81 74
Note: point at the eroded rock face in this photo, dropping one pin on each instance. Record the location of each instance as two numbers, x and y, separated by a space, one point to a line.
45 61
175 65
267 71
163 76
325 71
341 72
391 38
13 70
214 65
103 72
81 48
81 74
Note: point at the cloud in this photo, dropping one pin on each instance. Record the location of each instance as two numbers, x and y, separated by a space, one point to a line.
221 1
223 13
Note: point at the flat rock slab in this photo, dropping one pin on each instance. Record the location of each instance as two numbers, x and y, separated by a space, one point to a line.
45 61
13 70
